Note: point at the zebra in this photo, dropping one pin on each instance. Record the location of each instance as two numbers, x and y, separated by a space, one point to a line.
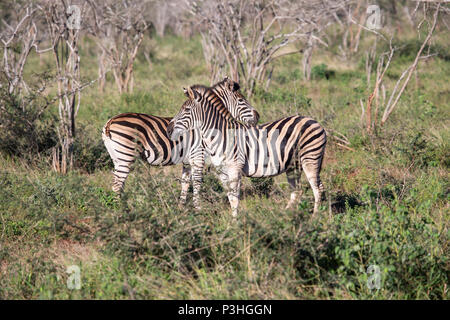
129 135
289 145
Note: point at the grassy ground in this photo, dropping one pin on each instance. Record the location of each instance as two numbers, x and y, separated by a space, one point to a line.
386 204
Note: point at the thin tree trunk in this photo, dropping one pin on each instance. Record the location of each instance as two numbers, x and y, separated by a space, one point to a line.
412 68
307 54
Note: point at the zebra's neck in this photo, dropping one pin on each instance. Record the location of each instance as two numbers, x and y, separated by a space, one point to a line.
219 128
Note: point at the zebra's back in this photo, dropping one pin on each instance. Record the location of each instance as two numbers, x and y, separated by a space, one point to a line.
130 134
272 147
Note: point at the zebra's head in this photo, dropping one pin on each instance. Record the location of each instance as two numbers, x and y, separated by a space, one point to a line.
228 91
225 92
190 114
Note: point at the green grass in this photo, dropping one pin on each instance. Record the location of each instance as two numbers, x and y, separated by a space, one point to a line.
386 202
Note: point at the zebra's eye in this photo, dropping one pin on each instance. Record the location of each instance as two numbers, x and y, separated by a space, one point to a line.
240 100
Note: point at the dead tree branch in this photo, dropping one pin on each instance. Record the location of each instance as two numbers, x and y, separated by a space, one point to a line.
248 36
118 28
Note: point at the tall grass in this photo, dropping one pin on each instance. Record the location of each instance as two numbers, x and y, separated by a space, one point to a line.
386 203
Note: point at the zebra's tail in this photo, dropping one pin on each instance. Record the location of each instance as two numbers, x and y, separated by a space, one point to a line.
105 131
106 137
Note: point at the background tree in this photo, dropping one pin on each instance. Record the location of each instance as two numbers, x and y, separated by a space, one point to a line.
119 29
64 35
22 101
249 36
426 25
18 38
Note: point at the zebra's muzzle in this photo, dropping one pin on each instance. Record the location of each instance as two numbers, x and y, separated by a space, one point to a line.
176 134
173 133
169 128
255 120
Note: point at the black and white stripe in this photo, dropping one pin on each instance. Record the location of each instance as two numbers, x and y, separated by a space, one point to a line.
129 135
292 145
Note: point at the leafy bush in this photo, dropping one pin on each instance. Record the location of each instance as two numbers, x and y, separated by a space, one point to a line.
25 125
262 186
423 151
408 48
321 71
89 150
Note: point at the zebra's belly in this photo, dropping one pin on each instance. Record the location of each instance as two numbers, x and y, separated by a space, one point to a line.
175 156
217 160
165 162
268 170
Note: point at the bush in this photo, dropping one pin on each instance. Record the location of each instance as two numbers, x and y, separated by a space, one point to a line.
26 127
262 186
408 49
321 71
423 151
89 150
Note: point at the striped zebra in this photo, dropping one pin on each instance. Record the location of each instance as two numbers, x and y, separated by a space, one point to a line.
129 135
290 145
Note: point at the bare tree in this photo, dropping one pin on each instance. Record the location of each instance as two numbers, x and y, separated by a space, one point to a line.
395 96
22 101
352 11
384 63
250 35
161 14
215 61
119 29
64 35
312 17
18 40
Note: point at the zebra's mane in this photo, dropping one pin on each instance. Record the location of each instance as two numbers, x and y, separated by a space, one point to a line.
203 88
218 103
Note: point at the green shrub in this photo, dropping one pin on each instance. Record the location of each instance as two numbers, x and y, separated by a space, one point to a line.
408 49
321 71
89 150
26 127
424 152
262 186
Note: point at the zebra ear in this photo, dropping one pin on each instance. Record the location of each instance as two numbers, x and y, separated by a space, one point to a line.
236 86
191 93
229 83
232 85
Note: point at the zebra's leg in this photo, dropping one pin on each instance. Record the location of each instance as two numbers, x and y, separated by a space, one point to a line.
121 172
197 177
185 182
231 180
293 175
312 172
234 193
122 163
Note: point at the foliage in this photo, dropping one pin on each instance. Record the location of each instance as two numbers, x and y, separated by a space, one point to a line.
386 198
321 71
141 243
25 125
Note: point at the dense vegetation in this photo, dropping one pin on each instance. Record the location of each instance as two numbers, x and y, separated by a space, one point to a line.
386 203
